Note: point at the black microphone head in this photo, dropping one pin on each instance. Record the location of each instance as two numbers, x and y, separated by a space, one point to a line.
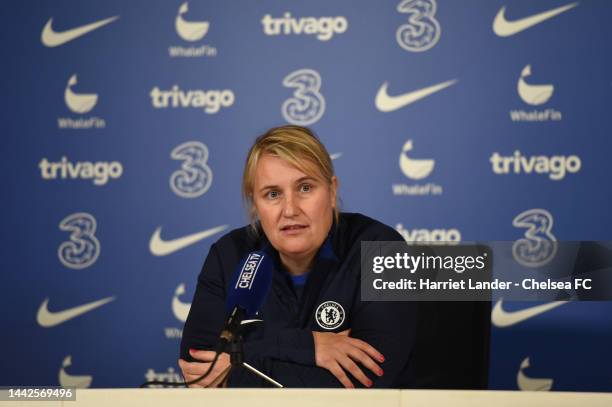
250 283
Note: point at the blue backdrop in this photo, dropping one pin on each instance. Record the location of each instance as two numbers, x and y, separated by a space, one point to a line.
126 124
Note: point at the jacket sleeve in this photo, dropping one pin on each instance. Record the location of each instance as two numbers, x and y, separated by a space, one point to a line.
207 313
390 327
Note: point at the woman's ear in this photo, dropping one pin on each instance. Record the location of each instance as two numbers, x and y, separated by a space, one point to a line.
333 190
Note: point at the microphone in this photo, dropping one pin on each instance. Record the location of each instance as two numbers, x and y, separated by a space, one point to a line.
247 292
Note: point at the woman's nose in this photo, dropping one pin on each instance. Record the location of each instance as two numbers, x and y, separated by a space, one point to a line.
290 208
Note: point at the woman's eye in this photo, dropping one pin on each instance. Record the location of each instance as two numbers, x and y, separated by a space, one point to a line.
272 195
305 188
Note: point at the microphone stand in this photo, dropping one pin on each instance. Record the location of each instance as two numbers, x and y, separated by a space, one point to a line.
236 352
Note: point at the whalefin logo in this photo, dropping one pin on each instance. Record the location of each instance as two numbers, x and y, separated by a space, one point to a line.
79 103
504 28
48 319
66 380
503 319
189 30
51 38
414 168
527 383
386 103
533 94
180 309
160 247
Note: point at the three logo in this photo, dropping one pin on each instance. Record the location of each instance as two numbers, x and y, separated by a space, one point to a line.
538 246
423 30
195 176
83 248
307 105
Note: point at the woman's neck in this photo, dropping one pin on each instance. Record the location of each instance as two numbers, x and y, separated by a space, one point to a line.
297 265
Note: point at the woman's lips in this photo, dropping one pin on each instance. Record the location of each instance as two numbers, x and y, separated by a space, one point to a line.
293 229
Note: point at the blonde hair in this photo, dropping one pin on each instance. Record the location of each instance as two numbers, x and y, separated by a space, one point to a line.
296 145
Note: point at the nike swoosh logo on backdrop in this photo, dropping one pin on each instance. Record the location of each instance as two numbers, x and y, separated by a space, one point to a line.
161 247
386 103
505 28
52 38
503 319
47 319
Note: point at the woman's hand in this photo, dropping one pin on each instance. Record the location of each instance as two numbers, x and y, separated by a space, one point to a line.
337 352
193 370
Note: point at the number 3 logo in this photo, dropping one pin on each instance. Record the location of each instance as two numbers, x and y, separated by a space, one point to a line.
83 248
307 105
422 31
539 246
195 176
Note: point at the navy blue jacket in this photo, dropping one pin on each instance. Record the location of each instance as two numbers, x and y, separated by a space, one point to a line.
283 347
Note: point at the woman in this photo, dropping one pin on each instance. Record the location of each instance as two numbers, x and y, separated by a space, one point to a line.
317 331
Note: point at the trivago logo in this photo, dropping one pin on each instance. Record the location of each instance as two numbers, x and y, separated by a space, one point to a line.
99 172
556 166
323 28
210 101
170 376
429 236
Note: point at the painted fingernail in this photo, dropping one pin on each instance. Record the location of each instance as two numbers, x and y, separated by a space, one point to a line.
192 350
369 383
382 358
380 372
